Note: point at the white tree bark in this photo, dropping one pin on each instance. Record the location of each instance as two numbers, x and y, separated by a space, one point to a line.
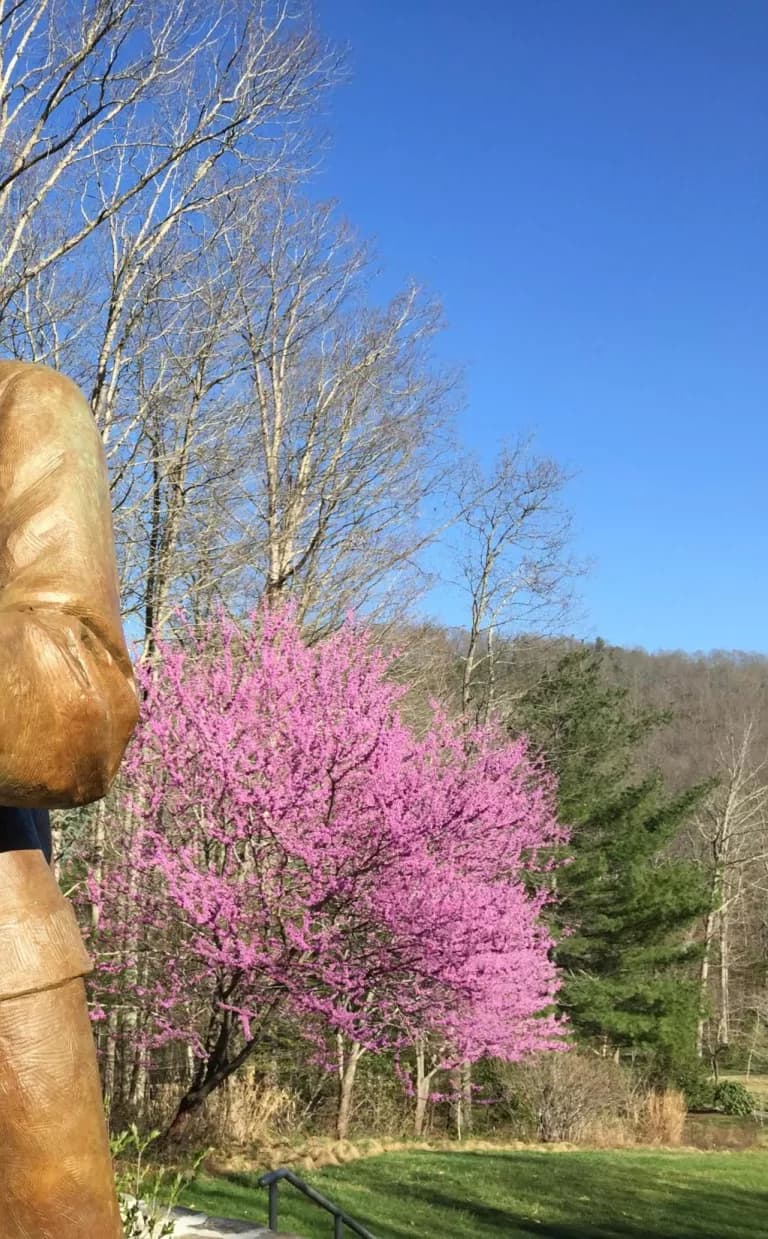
514 558
733 826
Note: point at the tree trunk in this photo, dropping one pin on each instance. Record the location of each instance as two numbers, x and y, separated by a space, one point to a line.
420 1112
709 932
724 1023
753 1044
347 1071
98 842
490 700
458 1102
466 1097
423 1080
139 1084
108 1047
210 1076
191 1103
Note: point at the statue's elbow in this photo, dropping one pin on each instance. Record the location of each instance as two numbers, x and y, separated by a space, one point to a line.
84 789
97 750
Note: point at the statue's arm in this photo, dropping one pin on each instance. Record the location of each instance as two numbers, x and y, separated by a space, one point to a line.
68 700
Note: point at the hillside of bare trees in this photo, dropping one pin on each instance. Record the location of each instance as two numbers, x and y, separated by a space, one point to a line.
712 732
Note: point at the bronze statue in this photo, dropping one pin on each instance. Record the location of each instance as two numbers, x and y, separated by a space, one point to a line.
68 705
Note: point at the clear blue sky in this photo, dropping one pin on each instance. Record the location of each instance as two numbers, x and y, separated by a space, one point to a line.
585 185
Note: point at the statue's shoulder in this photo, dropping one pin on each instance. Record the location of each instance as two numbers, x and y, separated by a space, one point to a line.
30 375
29 390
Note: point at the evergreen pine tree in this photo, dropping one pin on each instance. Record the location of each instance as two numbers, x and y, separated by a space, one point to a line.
626 905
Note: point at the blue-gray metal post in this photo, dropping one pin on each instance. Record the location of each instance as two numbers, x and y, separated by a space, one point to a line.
338 1227
273 1189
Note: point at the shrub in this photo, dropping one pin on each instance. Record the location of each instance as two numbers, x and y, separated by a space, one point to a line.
699 1091
564 1095
733 1098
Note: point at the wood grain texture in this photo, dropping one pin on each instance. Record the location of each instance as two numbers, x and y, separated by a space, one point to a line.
55 1169
69 700
68 705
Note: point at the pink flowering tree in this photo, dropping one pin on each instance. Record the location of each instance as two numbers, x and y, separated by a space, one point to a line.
485 810
292 847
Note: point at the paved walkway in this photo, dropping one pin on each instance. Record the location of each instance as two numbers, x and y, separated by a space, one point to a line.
199 1226
191 1225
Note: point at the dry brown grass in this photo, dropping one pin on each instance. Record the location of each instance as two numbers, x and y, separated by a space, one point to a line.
247 1124
315 1152
611 1132
244 1112
663 1117
719 1131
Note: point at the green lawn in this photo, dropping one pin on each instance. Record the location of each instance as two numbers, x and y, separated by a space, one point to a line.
555 1195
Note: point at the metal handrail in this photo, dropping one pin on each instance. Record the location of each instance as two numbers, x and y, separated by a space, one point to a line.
274 1178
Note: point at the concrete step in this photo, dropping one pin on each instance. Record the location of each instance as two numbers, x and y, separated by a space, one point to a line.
187 1224
190 1225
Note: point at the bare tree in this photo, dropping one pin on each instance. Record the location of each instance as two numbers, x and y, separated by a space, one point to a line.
516 570
142 252
733 829
514 558
108 106
131 135
346 432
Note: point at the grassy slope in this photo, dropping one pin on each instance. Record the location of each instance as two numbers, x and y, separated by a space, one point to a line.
555 1195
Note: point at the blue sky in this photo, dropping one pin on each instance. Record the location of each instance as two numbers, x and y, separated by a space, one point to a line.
584 183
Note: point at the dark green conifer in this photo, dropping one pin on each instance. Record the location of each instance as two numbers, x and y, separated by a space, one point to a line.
626 905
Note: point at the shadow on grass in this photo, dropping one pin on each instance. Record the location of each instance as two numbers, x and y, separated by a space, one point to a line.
746 1216
619 1200
556 1196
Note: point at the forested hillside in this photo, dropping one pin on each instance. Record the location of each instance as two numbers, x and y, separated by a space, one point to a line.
700 722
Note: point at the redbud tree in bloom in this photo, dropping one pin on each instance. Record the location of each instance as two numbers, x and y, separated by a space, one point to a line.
293 849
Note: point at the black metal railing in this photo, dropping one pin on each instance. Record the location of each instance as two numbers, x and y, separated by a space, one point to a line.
272 1182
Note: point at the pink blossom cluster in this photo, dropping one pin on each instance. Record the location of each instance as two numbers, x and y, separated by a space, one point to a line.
285 842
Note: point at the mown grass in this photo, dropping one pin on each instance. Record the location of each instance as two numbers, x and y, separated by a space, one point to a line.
552 1194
